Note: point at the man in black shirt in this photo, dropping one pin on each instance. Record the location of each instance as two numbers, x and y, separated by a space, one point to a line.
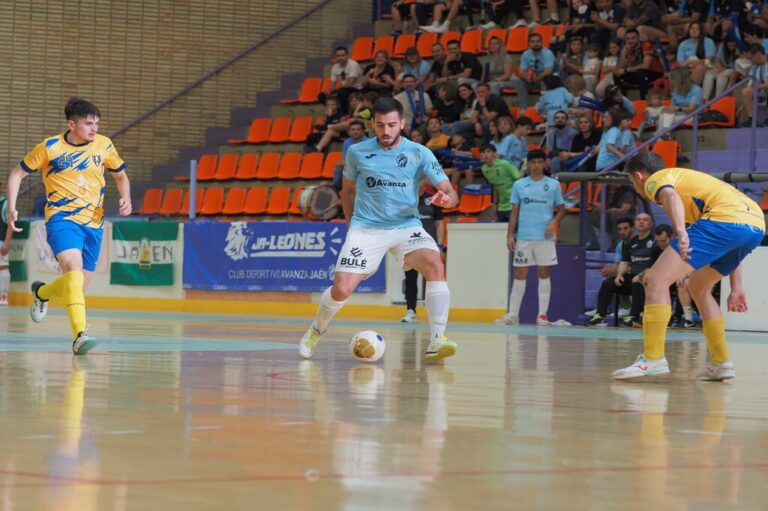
489 107
463 67
636 258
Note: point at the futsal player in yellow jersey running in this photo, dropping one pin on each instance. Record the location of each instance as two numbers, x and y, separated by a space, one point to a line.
72 166
724 227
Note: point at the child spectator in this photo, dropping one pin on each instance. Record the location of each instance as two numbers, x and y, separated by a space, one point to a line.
614 98
502 175
591 69
572 62
437 139
652 113
614 121
554 99
608 66
461 146
577 86
514 147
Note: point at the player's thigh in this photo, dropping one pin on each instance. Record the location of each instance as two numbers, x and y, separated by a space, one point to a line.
703 280
427 262
544 253
92 239
415 248
668 269
70 260
345 283
363 251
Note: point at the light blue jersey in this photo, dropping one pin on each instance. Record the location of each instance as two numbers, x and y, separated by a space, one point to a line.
388 182
606 157
537 200
513 149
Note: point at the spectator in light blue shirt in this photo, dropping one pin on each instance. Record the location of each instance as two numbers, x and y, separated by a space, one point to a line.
414 65
535 63
514 147
555 98
696 53
356 132
686 97
757 55
614 121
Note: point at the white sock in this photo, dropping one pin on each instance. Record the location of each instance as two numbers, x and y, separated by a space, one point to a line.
5 282
688 313
438 299
516 297
545 287
327 310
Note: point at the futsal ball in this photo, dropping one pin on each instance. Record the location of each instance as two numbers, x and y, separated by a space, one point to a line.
367 346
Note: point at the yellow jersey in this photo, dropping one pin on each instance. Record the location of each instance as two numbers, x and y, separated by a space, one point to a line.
706 198
73 176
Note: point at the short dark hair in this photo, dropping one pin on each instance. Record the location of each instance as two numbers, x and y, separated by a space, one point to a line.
618 115
341 48
562 112
409 75
356 122
755 49
524 121
536 154
625 220
483 84
631 31
452 42
649 162
387 105
78 108
664 229
534 34
552 82
487 146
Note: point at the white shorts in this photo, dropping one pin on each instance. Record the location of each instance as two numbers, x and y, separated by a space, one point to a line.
364 249
535 253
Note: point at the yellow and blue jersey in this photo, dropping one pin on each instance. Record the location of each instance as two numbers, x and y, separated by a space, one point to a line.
706 197
73 176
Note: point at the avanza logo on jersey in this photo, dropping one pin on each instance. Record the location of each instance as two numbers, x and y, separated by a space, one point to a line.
372 182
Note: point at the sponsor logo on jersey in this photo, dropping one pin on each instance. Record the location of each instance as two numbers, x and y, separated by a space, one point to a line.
402 160
372 182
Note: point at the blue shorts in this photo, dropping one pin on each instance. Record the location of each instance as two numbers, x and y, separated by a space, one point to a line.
65 235
722 245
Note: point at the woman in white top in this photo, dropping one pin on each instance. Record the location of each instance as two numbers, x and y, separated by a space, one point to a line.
724 73
696 53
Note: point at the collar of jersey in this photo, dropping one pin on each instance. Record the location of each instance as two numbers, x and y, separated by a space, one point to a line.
70 143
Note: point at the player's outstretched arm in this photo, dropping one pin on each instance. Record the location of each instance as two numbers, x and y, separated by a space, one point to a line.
446 196
14 183
124 189
348 192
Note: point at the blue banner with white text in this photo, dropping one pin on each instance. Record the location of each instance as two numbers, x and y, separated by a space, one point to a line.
266 256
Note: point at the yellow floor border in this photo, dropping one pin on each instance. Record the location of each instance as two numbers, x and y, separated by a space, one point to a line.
350 311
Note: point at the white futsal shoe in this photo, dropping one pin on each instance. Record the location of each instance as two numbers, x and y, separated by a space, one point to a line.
717 372
440 347
39 308
508 319
410 317
309 341
643 367
83 344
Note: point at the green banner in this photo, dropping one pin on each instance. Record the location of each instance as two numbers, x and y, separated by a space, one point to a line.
142 253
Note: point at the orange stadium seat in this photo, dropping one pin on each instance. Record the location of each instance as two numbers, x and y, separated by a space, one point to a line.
425 43
517 40
470 203
403 42
308 93
764 200
268 166
384 43
546 32
362 49
258 133
668 150
330 163
281 129
199 197
727 107
279 200
311 166
472 41
447 37
289 166
639 105
227 167
235 202
153 200
256 201
247 167
206 167
302 127
294 209
213 201
172 201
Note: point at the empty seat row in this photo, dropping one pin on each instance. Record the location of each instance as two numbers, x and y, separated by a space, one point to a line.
218 201
249 166
278 131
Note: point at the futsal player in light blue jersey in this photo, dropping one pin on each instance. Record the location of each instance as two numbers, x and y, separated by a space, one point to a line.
380 194
537 208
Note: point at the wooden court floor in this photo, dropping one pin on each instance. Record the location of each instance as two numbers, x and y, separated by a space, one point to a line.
188 412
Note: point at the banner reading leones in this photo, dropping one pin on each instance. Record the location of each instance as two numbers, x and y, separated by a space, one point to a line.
142 253
266 256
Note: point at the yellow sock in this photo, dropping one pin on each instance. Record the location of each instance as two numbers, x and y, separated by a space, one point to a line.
54 289
74 298
714 331
655 319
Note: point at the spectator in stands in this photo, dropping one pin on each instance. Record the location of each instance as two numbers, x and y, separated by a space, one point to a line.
580 25
414 65
552 12
436 77
535 63
614 121
499 70
416 104
645 17
504 125
720 18
347 72
356 132
760 72
623 233
502 175
691 11
619 203
437 139
514 147
498 11
447 106
459 145
608 66
639 65
696 53
652 113
587 139
591 68
572 61
468 103
615 99
636 258
432 222
607 19
487 108
577 86
531 234
418 136
332 117
686 97
723 75
421 11
559 138
752 34
463 67
555 98
380 76
451 7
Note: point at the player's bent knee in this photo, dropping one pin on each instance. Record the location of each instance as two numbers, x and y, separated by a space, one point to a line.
433 269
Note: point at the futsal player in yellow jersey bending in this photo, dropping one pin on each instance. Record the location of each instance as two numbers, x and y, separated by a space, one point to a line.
724 227
72 166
